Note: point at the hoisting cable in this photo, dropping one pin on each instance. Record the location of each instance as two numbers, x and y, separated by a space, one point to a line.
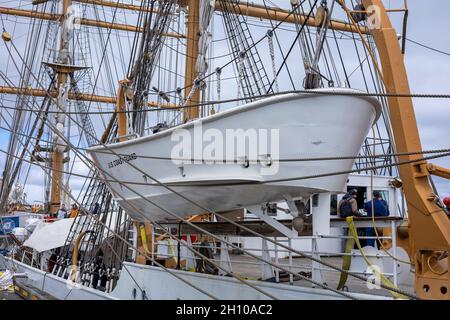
249 48
352 20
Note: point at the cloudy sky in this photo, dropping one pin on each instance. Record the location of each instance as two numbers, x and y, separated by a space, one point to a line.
428 73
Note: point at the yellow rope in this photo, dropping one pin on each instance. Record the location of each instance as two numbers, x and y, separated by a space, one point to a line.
144 238
346 262
172 250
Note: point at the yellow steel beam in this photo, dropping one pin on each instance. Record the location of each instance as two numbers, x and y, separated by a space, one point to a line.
83 21
430 227
439 171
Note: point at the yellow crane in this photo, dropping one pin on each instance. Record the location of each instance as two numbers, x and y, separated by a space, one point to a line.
428 224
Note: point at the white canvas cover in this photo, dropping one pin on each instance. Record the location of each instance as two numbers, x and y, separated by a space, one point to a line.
47 236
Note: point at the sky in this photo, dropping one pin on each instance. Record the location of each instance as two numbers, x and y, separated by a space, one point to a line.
428 72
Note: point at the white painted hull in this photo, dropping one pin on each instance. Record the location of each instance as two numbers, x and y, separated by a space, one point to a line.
322 125
55 286
160 285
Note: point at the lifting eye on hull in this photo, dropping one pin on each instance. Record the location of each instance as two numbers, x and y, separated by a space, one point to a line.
268 160
182 171
246 163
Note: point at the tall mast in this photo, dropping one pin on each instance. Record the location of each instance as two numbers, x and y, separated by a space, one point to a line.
193 29
62 68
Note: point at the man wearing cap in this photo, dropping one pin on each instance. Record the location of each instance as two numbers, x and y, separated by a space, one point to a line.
348 206
380 209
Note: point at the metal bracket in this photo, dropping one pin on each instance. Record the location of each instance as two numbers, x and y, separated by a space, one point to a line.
291 205
257 211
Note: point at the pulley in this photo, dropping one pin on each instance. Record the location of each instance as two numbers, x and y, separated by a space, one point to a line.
321 16
403 231
311 81
360 15
128 93
179 91
6 36
298 223
199 84
396 182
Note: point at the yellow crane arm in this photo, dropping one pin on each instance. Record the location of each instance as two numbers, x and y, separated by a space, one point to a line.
429 225
439 171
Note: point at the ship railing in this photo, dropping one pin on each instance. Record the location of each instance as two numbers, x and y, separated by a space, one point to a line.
296 266
316 268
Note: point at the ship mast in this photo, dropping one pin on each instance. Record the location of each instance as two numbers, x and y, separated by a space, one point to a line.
62 69
192 37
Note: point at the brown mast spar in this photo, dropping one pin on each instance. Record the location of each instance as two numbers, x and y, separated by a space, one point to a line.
35 92
193 29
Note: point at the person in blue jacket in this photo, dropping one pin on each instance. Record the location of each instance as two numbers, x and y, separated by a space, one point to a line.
380 209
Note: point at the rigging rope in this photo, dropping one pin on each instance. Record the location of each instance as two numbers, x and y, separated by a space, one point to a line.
428 47
310 92
272 58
